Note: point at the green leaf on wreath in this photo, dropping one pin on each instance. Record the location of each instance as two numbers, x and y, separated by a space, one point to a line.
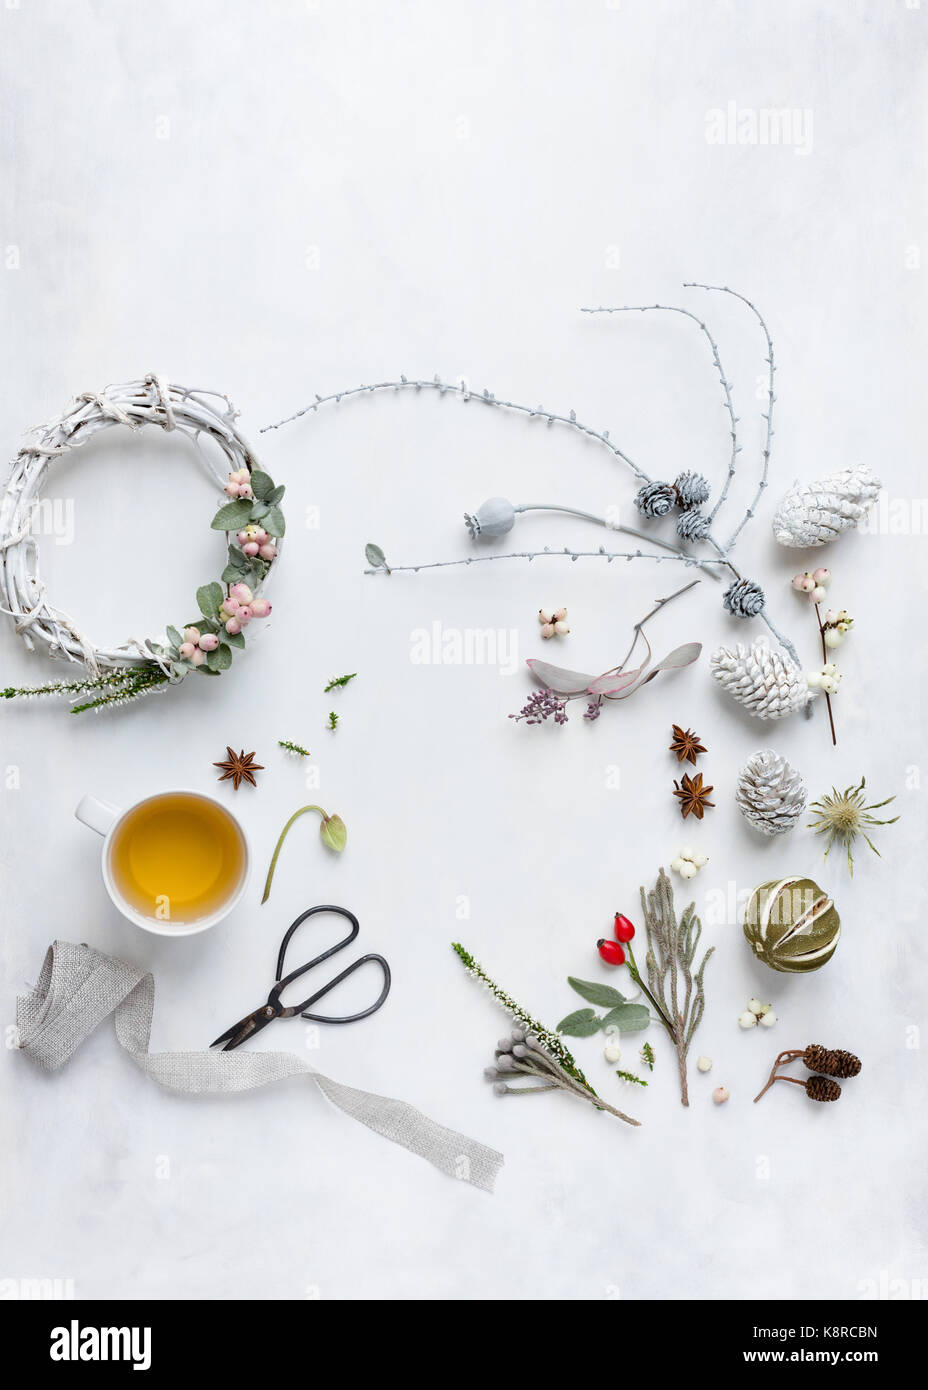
276 496
581 1024
209 597
274 522
261 484
236 558
175 636
259 511
220 659
233 516
235 639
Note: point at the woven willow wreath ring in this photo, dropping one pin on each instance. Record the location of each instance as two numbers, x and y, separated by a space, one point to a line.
250 510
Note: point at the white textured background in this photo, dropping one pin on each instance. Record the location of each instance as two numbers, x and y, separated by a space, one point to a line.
285 198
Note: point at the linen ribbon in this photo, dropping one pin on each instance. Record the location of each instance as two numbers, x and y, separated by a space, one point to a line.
79 987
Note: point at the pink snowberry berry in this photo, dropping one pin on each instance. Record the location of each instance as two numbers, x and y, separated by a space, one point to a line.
244 489
241 592
243 537
244 615
208 642
230 606
799 583
250 548
819 594
187 650
231 488
198 657
260 607
233 627
822 577
191 634
268 551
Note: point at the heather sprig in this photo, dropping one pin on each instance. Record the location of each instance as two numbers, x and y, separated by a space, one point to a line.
339 682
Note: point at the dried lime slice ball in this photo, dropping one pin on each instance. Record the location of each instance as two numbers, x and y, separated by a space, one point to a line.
792 925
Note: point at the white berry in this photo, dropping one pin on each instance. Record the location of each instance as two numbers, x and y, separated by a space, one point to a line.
700 859
720 1095
747 1020
688 870
768 1019
612 1053
703 1063
756 1006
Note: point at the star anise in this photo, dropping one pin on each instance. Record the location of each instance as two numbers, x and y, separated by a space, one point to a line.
686 744
694 797
239 767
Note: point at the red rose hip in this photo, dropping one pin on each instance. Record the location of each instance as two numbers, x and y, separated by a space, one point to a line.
610 951
624 930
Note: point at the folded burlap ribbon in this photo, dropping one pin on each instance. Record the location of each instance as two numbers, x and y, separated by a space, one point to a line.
79 987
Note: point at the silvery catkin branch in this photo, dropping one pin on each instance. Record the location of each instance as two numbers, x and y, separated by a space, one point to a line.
675 991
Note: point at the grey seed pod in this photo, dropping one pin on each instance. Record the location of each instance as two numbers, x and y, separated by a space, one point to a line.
490 1073
692 489
495 517
693 525
655 499
518 1035
504 1045
500 1089
505 1062
744 599
520 1050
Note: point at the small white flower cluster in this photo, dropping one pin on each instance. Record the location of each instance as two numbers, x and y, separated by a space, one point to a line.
553 621
827 679
755 1013
688 862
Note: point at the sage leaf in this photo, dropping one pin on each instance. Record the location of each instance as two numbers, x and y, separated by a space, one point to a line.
274 522
209 597
375 555
628 1018
236 558
220 659
262 484
259 511
276 496
595 993
581 1024
234 639
233 516
175 636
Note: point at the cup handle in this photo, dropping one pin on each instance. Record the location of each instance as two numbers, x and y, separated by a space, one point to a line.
99 815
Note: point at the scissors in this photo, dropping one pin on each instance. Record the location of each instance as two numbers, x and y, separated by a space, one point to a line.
252 1023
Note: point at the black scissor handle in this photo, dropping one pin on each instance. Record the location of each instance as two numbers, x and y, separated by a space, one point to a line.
284 980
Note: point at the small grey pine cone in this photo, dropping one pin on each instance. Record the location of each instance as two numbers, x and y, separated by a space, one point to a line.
693 525
768 683
744 599
655 499
770 794
814 513
692 489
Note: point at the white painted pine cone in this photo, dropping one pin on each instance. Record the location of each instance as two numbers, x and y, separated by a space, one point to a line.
768 683
770 794
814 513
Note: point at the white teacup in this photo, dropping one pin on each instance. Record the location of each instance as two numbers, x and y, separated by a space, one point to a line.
175 863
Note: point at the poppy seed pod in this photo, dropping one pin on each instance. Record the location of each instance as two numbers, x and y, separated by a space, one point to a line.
495 517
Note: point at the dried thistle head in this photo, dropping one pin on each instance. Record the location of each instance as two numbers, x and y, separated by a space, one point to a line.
846 817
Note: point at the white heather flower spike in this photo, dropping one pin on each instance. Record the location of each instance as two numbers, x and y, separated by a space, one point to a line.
814 513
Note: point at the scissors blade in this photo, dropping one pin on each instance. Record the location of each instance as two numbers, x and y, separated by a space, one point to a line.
246 1027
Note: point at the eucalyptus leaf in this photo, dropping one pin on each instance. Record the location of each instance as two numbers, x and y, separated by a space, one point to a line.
209 597
234 639
233 516
628 1018
374 555
581 1024
276 496
175 636
259 511
557 678
262 484
595 993
220 659
274 522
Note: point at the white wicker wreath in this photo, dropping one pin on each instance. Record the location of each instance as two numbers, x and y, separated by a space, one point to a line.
250 514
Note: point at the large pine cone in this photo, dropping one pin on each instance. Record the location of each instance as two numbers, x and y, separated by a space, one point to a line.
814 513
770 794
768 683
